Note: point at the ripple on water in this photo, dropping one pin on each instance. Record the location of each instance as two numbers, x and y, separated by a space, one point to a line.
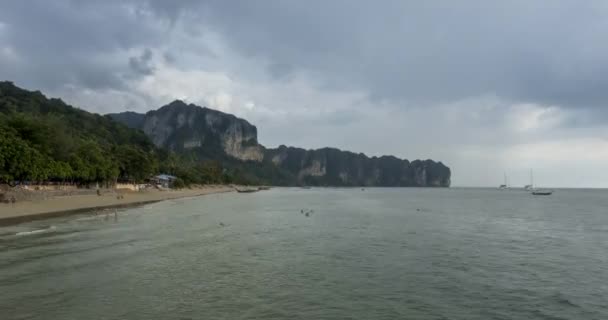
466 254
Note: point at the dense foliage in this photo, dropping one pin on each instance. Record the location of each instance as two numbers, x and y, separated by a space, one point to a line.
203 166
45 140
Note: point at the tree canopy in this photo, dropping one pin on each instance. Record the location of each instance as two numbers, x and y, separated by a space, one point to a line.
45 140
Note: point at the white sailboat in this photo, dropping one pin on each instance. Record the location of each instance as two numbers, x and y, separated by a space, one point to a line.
530 187
538 192
505 185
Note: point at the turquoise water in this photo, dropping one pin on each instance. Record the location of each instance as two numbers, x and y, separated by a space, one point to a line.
373 254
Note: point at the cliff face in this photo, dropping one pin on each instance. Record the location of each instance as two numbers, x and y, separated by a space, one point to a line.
181 128
330 166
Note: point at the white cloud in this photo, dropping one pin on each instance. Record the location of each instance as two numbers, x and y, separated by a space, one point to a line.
249 105
7 53
529 117
575 162
198 86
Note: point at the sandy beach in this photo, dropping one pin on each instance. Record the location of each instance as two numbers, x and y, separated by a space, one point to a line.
56 206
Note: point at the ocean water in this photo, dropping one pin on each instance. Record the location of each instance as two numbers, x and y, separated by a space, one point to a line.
359 254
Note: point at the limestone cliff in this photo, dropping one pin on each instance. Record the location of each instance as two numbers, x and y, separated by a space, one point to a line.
330 166
179 127
182 127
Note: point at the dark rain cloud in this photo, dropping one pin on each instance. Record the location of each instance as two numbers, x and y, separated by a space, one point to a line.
78 43
420 52
546 52
143 64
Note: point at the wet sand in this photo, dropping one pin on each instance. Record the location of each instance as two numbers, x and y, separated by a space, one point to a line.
31 210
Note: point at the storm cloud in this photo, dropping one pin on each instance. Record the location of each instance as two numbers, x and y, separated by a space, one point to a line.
549 52
484 86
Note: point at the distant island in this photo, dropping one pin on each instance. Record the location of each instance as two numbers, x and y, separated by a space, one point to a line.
45 139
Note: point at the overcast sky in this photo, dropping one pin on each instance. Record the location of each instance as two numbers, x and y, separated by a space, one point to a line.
486 87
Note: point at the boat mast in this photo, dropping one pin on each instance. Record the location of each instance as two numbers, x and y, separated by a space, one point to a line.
532 178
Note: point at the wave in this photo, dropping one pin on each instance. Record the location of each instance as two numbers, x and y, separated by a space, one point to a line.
25 233
561 299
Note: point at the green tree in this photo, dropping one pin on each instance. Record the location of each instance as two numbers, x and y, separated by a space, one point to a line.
135 164
179 184
19 161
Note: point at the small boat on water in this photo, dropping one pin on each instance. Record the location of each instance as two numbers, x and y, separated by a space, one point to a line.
542 192
505 185
247 190
530 187
534 191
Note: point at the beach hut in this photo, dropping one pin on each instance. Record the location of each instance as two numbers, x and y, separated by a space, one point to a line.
165 180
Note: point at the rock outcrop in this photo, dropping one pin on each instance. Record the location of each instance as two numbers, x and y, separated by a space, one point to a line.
182 127
329 166
179 127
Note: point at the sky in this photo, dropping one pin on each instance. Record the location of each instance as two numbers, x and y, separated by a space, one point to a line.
486 87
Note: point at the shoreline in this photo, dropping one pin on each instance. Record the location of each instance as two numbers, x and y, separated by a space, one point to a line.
11 214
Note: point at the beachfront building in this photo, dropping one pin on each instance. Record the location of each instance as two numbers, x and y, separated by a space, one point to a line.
164 180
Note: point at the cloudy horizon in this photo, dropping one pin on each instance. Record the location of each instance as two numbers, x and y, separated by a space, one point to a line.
486 88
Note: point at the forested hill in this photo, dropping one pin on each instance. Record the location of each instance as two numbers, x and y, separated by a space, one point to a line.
45 139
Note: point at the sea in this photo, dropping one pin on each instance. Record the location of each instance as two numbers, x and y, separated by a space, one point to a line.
320 253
